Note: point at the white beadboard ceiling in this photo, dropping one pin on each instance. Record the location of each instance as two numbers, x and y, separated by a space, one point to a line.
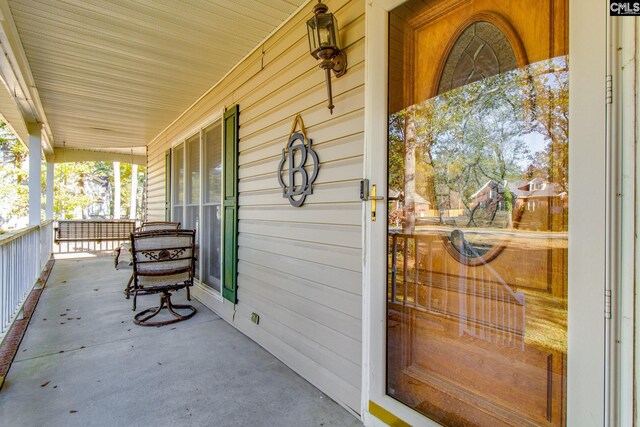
113 74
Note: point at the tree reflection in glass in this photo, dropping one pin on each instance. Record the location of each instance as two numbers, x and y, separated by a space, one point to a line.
488 155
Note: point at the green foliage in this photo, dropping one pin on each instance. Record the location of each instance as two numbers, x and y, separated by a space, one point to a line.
74 180
77 186
69 188
14 191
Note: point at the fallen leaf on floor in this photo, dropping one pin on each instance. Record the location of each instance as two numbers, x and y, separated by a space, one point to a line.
55 386
61 351
73 411
172 329
44 320
159 363
63 314
68 309
96 290
45 384
128 329
62 323
69 318
78 318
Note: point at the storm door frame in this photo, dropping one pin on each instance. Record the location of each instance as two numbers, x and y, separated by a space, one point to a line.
588 236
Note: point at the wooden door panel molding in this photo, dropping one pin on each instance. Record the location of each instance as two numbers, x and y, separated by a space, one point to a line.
530 384
437 29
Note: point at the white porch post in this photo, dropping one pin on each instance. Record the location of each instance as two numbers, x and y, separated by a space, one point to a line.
35 170
49 192
134 191
116 190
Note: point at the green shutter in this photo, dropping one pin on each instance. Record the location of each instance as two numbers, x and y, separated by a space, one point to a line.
230 205
167 186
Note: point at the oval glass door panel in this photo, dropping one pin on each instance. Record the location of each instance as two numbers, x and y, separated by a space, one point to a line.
478 209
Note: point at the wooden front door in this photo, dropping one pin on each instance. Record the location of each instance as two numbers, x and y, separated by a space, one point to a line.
478 211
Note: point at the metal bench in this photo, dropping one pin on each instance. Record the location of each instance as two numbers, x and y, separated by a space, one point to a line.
97 231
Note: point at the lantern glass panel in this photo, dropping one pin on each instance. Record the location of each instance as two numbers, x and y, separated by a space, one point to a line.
335 37
314 42
325 31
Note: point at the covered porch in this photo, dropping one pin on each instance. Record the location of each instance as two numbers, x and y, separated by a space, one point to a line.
84 362
99 81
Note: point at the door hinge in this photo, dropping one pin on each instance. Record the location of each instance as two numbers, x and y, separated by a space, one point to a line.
607 304
609 90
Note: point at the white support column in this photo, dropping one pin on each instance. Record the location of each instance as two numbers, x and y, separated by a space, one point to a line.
49 192
116 190
134 191
35 171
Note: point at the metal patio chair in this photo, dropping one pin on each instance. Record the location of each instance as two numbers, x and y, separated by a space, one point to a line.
163 261
159 225
126 247
146 226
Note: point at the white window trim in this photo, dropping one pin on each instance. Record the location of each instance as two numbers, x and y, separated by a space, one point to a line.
586 370
203 124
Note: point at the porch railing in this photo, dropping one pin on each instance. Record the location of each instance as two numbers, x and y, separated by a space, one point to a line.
23 256
478 298
91 235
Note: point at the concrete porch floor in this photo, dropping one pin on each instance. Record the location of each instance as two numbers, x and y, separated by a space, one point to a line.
83 362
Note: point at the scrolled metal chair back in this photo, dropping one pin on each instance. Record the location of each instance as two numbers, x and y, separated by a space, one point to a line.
159 225
163 257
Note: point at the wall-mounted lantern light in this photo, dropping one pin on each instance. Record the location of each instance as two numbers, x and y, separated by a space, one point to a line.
324 44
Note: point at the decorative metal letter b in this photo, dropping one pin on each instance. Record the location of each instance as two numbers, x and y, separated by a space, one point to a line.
298 150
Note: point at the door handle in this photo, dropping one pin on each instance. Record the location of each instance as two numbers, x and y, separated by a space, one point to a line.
374 198
366 195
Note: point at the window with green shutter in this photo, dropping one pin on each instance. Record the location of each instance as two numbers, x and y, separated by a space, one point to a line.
230 205
195 197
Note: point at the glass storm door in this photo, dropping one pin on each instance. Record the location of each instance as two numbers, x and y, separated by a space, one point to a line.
477 232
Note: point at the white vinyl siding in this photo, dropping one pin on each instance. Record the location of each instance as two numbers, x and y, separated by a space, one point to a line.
300 269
